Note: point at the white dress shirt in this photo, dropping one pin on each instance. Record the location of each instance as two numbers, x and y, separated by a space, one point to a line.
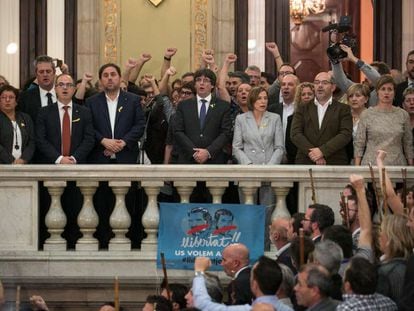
199 103
44 98
61 114
322 110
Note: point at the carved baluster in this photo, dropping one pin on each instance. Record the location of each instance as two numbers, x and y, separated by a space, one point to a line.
151 216
249 188
88 218
120 219
55 217
217 189
281 190
184 189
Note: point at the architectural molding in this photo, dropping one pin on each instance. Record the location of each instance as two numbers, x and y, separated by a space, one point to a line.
199 28
111 27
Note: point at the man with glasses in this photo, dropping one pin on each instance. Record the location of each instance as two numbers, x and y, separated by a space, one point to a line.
202 124
64 131
322 129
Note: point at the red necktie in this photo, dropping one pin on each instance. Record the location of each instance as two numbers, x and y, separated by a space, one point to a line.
66 133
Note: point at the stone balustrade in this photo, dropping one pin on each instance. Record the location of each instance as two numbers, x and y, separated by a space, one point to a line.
19 210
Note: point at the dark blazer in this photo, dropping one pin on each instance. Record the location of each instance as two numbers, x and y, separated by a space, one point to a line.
30 103
49 134
406 301
332 138
290 147
7 134
285 259
398 99
239 289
129 126
214 136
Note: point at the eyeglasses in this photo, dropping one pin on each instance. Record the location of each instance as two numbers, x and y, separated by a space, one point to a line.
186 93
284 73
7 97
205 80
65 85
323 82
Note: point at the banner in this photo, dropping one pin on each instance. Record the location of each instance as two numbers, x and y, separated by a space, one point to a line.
190 230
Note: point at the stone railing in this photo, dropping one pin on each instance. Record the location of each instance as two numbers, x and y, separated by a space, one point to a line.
19 203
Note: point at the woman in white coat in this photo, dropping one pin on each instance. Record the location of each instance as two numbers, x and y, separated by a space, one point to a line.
258 138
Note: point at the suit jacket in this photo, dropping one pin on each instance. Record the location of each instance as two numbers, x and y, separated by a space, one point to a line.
398 99
214 135
49 133
406 301
239 289
129 126
289 145
285 259
253 145
30 103
333 136
7 134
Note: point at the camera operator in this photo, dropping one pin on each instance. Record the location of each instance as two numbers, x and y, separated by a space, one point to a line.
369 71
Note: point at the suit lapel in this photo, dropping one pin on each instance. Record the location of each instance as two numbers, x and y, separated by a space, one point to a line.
210 110
75 133
105 112
252 125
120 106
54 112
313 114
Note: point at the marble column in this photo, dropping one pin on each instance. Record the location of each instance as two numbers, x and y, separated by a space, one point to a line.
55 218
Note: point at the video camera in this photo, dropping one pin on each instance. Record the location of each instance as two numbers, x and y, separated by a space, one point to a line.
342 30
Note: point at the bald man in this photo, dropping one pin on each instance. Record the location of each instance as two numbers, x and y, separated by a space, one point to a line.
281 233
321 130
235 263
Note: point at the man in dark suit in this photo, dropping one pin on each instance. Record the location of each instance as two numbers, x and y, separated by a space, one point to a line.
398 101
322 130
50 127
119 123
203 125
64 135
117 118
235 263
285 109
281 232
31 100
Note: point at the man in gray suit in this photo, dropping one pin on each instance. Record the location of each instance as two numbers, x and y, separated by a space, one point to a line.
321 130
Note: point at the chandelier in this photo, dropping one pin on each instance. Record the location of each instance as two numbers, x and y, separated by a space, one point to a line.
299 9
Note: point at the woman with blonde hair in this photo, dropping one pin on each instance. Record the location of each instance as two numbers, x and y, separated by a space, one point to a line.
305 93
396 243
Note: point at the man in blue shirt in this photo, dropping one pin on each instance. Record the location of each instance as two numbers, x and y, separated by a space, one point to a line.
266 277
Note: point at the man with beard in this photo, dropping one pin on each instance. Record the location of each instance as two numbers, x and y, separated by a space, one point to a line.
322 130
409 83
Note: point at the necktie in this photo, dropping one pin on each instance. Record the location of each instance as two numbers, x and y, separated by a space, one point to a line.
66 133
49 99
203 112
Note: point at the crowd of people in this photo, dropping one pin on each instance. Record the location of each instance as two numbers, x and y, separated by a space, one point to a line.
366 263
214 116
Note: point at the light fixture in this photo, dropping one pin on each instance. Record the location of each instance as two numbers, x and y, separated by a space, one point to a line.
299 9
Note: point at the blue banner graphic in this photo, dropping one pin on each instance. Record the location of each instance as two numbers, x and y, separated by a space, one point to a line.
189 230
